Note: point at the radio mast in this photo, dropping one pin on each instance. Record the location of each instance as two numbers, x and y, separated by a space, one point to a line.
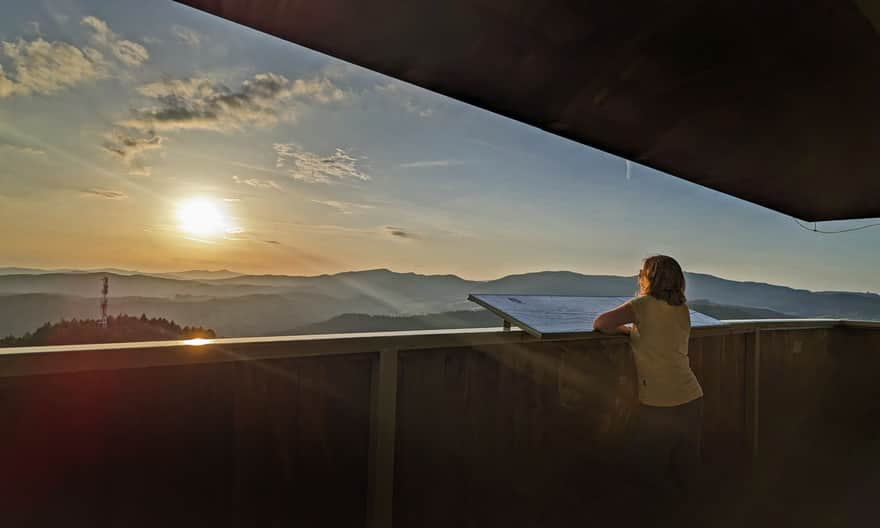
105 289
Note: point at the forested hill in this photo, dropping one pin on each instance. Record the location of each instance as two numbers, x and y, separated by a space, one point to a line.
122 328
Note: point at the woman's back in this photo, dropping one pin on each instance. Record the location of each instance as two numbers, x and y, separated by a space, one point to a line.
666 431
659 342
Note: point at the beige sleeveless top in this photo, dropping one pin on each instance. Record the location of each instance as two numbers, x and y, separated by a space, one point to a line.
659 341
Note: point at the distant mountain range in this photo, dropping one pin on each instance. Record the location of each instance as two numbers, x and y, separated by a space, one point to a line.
236 304
191 274
355 322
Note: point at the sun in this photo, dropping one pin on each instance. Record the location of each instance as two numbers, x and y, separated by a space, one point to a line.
201 217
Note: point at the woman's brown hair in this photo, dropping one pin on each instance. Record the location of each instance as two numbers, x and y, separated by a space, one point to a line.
661 277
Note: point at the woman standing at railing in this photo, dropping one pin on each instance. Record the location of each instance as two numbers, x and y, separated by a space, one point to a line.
666 434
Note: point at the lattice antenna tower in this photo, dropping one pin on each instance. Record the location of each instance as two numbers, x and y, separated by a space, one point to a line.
105 289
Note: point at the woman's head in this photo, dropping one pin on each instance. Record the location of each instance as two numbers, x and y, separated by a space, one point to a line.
661 277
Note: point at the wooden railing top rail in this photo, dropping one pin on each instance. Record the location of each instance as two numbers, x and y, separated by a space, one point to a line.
18 361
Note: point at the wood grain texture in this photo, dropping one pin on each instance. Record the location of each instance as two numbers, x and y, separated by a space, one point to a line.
510 433
244 444
719 364
518 435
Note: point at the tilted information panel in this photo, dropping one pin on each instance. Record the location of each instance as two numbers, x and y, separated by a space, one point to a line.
549 315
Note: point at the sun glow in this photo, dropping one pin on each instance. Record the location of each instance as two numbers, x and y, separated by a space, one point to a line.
202 217
196 341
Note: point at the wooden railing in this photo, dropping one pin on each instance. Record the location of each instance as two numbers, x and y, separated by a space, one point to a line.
442 428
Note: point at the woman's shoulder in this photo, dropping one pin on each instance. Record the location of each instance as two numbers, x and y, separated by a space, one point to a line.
640 305
649 300
640 300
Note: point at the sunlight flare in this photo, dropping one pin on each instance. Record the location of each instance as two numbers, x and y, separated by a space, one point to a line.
202 217
196 341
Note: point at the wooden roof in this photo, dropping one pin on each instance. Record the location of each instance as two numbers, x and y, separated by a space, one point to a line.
777 103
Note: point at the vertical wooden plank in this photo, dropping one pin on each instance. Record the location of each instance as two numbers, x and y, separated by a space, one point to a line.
753 390
302 435
383 426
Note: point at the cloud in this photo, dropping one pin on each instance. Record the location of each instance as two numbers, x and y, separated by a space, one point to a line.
257 183
313 168
203 104
104 193
400 232
404 94
343 207
45 68
328 228
130 149
321 90
422 111
429 164
241 234
7 86
200 104
187 35
128 52
22 149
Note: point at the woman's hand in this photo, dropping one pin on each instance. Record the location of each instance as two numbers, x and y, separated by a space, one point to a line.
624 329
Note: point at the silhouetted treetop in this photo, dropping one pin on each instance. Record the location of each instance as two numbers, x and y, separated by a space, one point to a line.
120 328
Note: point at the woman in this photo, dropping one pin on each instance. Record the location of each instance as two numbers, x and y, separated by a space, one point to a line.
665 438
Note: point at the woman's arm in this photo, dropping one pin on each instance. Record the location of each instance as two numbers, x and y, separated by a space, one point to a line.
613 321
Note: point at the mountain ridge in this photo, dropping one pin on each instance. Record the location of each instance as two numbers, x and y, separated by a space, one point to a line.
264 304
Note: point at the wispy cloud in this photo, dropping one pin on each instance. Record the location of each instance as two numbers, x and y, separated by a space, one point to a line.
257 183
328 228
429 164
404 94
321 90
421 111
309 167
45 68
400 232
203 104
128 52
188 36
41 67
343 207
21 149
250 236
104 193
131 149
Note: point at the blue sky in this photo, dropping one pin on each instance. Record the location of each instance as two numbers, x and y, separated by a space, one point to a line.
115 115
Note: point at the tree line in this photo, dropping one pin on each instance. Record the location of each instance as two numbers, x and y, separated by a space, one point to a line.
119 328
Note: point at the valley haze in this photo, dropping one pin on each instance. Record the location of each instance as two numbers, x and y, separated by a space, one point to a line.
237 305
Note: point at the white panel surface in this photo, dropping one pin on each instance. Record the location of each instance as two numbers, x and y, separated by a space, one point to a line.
546 315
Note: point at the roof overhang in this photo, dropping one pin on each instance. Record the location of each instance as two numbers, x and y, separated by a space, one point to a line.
777 103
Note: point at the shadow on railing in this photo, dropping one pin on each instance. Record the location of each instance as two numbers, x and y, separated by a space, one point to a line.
438 428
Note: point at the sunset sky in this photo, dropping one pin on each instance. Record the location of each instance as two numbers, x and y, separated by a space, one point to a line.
150 136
